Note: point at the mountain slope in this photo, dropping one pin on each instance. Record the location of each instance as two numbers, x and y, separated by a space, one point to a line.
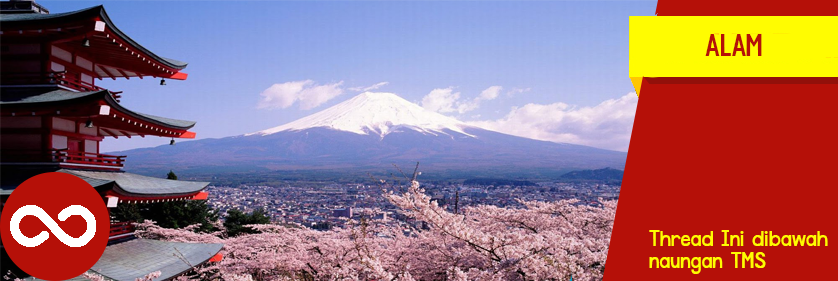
370 133
376 113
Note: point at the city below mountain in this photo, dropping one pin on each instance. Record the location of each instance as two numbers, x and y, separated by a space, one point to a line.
602 175
370 133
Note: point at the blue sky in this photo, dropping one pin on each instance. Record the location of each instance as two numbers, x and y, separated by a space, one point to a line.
561 67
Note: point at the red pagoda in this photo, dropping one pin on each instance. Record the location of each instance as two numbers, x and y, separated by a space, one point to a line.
53 117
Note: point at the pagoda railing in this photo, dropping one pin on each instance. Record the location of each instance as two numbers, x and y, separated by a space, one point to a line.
81 157
62 78
104 161
57 78
120 230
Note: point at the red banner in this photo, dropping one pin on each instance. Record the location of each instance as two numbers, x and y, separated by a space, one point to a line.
742 156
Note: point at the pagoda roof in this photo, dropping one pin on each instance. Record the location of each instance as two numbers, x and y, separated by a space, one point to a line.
139 186
127 186
12 21
30 95
137 258
55 96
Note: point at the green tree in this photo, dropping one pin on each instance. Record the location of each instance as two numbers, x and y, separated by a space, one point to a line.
127 212
237 220
171 175
177 214
180 214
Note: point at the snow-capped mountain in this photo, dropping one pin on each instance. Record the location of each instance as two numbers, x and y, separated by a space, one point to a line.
369 133
374 113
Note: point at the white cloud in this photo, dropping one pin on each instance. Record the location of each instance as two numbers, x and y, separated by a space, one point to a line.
490 93
441 100
306 92
607 125
446 100
516 91
370 88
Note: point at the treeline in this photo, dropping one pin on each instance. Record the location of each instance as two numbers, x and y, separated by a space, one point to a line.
603 175
368 176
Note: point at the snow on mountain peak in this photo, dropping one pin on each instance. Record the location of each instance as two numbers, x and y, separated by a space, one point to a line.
374 113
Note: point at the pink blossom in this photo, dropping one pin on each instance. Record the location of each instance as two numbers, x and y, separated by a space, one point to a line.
540 241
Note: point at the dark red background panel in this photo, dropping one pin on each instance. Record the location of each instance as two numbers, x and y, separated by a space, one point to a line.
743 155
708 157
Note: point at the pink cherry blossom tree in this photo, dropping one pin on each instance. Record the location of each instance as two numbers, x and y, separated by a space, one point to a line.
539 241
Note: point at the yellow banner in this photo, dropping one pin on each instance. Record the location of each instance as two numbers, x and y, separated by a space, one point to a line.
732 47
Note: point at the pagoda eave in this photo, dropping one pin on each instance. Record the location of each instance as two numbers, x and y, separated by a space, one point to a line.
134 188
116 55
134 199
99 107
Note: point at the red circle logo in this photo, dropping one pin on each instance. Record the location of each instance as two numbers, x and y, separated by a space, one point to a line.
55 226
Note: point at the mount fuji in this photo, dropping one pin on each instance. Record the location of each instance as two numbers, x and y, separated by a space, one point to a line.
375 114
369 133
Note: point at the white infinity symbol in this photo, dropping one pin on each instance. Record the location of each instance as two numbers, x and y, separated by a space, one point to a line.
33 210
